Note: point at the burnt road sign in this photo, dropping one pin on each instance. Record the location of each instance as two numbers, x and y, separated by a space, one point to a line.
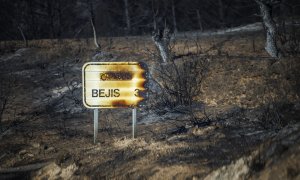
113 84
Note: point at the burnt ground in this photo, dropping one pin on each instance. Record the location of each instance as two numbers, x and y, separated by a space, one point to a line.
246 122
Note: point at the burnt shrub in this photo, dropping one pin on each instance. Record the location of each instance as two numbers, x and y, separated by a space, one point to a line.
181 80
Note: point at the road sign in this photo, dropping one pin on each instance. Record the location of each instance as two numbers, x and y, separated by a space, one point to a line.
113 84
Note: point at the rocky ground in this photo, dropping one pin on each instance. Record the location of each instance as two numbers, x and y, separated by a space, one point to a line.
245 123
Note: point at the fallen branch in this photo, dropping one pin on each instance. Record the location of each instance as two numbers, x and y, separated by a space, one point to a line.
25 168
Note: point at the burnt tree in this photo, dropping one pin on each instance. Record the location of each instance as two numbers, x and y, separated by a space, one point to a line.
127 17
93 22
162 39
271 29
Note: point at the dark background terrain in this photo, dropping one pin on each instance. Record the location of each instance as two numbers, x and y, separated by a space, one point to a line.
48 19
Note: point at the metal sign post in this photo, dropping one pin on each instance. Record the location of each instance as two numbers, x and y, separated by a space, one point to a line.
133 122
95 124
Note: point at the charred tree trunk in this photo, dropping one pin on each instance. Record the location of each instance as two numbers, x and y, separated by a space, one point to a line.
154 23
283 16
33 20
221 12
94 33
174 17
199 20
92 20
59 11
162 41
154 14
50 14
23 36
271 30
3 106
127 17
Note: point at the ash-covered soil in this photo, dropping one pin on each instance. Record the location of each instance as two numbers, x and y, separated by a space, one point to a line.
244 125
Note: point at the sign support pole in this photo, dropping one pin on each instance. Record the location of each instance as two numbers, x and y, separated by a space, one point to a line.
133 123
95 124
